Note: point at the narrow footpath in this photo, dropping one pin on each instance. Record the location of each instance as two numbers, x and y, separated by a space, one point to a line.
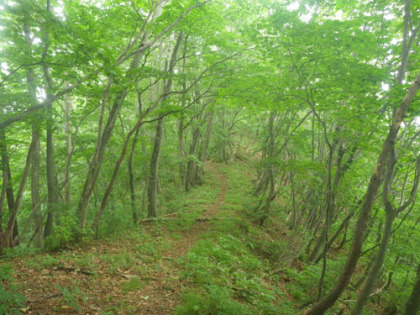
136 273
157 296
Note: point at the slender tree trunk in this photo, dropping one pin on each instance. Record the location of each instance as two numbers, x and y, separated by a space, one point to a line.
52 184
270 169
205 146
182 151
8 237
108 190
96 164
131 174
390 215
35 194
36 200
413 304
376 268
153 182
192 165
7 182
362 222
67 186
181 142
134 211
152 189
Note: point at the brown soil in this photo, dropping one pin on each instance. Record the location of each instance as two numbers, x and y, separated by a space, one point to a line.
162 298
102 287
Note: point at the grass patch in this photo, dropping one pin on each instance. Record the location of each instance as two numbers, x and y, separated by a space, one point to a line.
133 284
222 265
42 262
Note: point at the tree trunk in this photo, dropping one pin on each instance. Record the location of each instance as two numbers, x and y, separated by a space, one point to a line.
362 222
67 180
181 142
413 304
391 213
134 211
192 165
8 237
7 181
35 194
96 164
152 189
270 170
108 190
153 181
376 268
205 146
36 200
52 184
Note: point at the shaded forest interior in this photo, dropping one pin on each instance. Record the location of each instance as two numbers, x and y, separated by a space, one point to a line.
209 157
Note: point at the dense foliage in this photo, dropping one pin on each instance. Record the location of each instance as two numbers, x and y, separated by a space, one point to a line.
110 109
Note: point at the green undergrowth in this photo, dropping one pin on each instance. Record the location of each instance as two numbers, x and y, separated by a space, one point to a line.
189 206
10 299
222 274
239 194
242 268
221 267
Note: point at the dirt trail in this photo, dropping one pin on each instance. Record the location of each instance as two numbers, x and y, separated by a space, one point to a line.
97 272
161 295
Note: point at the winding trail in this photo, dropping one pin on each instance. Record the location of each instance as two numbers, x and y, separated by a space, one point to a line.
95 277
161 295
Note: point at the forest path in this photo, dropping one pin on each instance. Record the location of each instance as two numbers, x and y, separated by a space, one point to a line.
159 297
134 272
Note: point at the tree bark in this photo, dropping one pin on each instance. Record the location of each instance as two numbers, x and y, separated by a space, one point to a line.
67 111
153 181
7 183
362 222
390 215
413 304
152 189
35 194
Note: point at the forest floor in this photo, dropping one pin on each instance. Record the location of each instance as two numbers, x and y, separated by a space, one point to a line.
204 255
136 273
